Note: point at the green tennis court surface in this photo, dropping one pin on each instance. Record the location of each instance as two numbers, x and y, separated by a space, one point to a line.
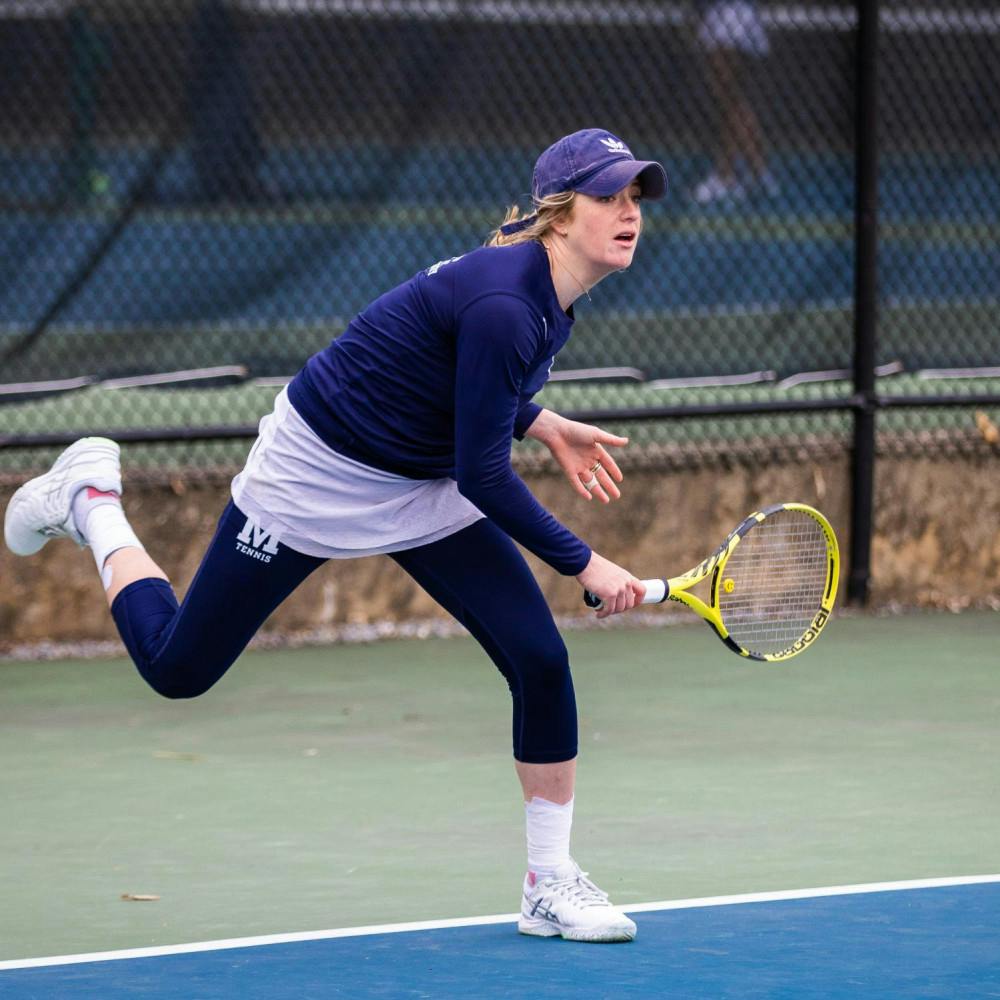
369 784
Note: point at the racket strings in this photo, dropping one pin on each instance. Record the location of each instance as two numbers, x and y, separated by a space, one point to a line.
774 582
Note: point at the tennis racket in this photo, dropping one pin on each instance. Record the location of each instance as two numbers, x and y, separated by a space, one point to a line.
772 584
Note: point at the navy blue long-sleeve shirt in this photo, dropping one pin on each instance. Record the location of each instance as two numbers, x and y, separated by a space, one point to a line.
434 378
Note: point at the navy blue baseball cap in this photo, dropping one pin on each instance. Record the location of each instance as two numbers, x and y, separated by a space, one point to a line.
595 162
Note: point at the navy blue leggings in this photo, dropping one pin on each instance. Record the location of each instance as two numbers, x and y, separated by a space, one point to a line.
477 574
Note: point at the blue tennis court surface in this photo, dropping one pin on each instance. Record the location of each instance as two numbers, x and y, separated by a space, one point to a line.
932 939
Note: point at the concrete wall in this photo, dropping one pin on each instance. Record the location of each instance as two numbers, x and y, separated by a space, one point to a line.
937 543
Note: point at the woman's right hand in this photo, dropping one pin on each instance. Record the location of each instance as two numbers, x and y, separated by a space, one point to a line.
615 586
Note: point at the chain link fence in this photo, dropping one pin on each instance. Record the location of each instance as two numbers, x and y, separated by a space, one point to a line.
197 194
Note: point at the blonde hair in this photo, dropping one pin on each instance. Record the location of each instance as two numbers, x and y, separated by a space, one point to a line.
548 211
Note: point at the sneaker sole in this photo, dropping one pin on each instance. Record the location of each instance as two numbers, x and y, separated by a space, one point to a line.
30 542
614 934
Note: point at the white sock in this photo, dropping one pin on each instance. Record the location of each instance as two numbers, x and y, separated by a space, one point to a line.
100 519
548 827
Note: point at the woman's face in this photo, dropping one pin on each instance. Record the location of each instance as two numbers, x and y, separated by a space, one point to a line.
602 233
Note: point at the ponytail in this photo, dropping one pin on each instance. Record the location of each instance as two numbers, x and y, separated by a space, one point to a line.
517 228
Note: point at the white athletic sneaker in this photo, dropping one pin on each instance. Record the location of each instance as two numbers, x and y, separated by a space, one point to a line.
568 903
767 185
43 507
715 189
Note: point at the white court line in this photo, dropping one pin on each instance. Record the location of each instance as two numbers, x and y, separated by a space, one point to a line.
505 918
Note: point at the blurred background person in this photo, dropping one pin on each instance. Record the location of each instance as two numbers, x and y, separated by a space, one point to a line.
733 38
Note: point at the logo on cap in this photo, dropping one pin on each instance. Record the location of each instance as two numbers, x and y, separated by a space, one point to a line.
614 145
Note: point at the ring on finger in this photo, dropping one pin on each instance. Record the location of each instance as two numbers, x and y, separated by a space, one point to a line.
591 483
597 465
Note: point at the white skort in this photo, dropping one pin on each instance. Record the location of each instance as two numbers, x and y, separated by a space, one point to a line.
321 503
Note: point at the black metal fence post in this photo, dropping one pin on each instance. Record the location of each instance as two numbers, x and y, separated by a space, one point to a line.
865 299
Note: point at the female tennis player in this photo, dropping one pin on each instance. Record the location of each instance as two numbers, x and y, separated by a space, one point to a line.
396 439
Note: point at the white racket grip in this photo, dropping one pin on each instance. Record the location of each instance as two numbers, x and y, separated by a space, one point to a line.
656 593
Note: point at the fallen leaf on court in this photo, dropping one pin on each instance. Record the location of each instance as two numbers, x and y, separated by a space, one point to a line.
139 897
987 428
175 755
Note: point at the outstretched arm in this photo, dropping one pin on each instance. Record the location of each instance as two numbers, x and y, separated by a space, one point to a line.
578 447
489 372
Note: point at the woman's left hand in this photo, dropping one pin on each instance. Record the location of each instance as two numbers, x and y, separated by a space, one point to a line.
581 451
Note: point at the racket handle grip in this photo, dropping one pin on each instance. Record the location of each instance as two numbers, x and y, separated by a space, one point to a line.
657 592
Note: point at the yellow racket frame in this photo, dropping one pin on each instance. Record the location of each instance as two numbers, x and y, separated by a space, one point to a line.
678 588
